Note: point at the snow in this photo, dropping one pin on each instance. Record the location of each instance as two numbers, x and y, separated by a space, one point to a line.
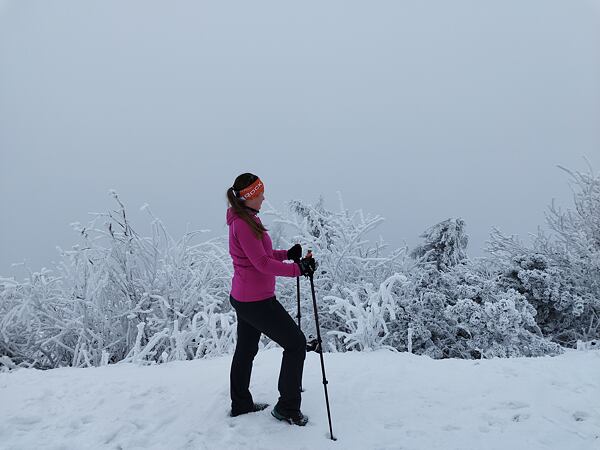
379 400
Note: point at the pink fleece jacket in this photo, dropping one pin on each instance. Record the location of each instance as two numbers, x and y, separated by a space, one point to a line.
255 263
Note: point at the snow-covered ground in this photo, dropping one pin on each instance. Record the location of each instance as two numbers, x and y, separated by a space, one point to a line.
379 400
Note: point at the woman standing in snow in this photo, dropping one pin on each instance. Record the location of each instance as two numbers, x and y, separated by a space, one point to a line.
253 297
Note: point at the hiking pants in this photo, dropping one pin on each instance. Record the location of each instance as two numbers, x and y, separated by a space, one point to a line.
270 318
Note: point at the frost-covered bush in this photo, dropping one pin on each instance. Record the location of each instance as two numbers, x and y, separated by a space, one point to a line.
119 296
369 318
492 322
457 308
348 260
560 274
463 313
36 324
442 306
346 255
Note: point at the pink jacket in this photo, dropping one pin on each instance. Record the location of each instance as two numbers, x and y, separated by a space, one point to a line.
255 263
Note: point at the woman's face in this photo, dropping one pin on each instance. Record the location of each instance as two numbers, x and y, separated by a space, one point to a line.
256 202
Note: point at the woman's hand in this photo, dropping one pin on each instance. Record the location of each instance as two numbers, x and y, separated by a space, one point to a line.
307 266
295 253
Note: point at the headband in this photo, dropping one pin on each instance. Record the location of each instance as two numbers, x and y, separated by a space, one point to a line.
252 191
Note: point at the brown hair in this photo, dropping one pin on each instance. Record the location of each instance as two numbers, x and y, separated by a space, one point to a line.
238 205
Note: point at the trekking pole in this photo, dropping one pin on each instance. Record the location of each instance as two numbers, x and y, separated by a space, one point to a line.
319 349
298 297
299 314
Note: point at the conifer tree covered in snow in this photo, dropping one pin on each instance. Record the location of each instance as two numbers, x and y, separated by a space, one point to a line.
445 244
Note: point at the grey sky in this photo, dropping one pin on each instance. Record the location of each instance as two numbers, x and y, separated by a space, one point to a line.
417 111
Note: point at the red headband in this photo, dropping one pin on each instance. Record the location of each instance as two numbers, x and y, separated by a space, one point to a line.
253 190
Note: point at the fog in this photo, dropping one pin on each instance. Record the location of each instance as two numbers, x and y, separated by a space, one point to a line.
415 111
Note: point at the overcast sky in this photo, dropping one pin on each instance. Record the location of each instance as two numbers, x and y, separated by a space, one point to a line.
415 110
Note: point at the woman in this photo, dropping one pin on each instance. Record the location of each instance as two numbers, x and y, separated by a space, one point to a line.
253 297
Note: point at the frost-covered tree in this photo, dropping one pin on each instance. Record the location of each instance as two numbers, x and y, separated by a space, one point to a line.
560 273
423 299
445 244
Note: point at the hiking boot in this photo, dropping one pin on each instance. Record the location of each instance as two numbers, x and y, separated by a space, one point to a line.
255 408
296 418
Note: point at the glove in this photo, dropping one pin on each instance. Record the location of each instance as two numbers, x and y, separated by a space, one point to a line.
307 266
295 253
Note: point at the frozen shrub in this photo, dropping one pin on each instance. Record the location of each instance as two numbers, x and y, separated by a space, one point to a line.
560 274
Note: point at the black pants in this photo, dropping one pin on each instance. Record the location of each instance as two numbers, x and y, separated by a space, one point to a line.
268 317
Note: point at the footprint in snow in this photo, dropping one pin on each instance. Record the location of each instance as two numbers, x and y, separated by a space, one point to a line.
580 416
24 420
87 419
520 417
511 405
